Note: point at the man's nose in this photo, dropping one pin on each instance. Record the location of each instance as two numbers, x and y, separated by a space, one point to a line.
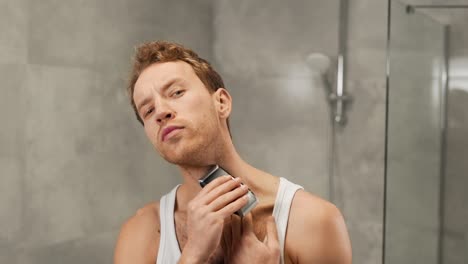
164 114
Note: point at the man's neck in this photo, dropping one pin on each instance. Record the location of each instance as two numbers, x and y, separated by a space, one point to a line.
230 162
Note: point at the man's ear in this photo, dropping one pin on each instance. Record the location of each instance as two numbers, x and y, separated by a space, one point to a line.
223 102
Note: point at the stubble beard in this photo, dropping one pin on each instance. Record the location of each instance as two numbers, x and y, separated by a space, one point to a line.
198 150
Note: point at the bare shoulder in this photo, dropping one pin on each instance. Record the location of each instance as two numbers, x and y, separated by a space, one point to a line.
316 231
316 210
138 239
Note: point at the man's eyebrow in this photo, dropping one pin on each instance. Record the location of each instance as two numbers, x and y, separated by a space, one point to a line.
164 87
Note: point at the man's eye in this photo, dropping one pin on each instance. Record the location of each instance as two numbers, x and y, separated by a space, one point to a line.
149 111
179 92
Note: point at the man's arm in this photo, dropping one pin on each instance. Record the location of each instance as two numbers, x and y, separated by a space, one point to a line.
138 241
317 232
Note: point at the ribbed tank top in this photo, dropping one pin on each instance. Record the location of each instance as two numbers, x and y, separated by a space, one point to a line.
169 251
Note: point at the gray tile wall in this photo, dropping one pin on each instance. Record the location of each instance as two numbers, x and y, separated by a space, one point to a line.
261 47
74 161
361 143
280 120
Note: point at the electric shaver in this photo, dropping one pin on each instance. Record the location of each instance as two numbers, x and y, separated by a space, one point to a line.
218 172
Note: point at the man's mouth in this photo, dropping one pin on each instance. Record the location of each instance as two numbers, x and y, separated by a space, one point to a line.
169 131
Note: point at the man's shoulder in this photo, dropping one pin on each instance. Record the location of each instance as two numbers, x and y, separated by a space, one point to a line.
139 236
313 208
145 217
316 230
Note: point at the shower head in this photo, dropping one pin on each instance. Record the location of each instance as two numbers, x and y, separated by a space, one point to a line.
319 63
327 71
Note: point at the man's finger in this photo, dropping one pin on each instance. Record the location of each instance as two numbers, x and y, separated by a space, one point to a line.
227 231
271 238
227 236
236 228
215 183
247 224
218 187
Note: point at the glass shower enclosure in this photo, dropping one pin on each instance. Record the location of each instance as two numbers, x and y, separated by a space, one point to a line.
423 193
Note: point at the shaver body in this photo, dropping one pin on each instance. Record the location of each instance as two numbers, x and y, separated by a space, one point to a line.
218 172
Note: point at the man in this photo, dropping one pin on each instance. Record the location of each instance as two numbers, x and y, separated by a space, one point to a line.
184 108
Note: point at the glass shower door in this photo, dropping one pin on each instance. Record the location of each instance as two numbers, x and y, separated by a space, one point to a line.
414 137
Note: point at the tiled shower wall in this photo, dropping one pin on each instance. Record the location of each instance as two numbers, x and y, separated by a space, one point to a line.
281 119
261 48
361 143
74 162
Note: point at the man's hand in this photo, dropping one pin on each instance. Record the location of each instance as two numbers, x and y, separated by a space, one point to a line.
206 214
245 246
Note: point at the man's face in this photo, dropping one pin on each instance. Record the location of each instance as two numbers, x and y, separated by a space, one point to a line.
179 114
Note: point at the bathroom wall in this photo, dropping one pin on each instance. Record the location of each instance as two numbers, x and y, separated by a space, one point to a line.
280 120
283 124
74 163
359 165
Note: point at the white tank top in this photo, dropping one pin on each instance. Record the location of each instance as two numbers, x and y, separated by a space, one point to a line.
169 251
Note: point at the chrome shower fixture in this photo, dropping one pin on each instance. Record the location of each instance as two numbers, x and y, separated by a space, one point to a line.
321 64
